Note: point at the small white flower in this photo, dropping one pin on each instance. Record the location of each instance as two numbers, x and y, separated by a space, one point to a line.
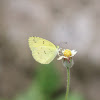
67 54
67 57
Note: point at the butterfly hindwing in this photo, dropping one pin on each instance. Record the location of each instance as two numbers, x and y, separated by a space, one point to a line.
44 55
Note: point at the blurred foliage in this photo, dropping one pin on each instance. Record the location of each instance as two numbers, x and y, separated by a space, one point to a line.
46 83
33 93
72 96
49 79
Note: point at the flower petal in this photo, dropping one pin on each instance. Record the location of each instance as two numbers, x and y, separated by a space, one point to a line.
73 52
60 57
63 50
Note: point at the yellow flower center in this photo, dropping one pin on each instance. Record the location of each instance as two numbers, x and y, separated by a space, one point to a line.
67 53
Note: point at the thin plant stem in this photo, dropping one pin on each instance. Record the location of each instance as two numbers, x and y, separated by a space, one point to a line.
68 83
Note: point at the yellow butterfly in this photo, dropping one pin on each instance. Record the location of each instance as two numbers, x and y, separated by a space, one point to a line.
43 51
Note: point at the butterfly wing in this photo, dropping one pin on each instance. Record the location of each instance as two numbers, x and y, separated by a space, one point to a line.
37 41
44 55
43 51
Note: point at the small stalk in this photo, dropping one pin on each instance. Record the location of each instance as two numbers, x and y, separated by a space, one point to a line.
68 83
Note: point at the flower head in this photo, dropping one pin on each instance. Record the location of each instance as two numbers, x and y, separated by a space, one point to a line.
67 54
67 57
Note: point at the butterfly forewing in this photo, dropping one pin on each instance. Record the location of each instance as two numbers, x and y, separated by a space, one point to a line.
37 41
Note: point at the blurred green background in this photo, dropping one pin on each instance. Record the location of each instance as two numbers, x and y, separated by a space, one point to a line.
75 22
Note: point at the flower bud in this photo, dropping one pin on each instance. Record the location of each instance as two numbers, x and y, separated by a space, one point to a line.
68 62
